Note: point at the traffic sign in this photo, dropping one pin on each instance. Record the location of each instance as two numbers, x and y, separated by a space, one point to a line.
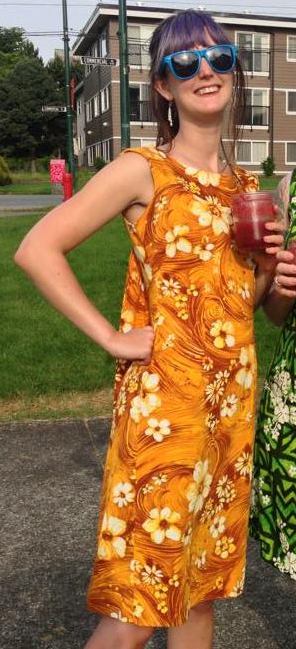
97 60
54 109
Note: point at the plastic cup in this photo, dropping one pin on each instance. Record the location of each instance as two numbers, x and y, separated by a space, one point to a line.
250 212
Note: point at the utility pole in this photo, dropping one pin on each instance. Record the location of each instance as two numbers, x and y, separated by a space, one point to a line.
69 116
124 74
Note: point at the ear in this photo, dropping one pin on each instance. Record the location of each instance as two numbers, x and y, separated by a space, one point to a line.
162 87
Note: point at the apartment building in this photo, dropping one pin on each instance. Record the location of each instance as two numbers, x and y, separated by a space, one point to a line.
268 52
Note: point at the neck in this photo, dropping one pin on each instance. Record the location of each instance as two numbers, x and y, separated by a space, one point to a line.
199 146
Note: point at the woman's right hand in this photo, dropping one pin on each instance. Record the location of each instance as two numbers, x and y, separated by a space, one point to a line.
285 274
135 345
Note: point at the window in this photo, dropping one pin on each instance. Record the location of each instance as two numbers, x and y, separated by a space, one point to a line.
249 152
291 48
257 107
79 106
96 105
138 44
290 152
254 51
103 43
291 101
105 99
90 155
89 110
140 104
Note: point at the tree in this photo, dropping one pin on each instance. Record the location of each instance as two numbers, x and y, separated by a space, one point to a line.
14 46
24 129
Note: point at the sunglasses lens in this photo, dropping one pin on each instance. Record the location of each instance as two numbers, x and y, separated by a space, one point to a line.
185 64
221 58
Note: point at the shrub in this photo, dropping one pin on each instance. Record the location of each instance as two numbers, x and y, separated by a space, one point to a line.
99 163
268 166
5 177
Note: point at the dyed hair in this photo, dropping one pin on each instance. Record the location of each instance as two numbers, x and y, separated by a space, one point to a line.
183 31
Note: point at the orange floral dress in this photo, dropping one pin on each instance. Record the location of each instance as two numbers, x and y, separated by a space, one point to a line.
176 491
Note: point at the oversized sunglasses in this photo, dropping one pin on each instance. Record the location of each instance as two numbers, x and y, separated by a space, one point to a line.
186 64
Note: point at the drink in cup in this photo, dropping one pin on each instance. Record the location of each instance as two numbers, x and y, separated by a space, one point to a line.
250 212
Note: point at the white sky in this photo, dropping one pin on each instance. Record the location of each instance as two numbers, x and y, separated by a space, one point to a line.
36 16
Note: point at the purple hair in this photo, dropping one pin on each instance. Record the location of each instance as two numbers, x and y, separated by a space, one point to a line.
182 31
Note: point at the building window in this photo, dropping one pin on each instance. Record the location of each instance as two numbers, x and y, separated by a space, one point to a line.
138 44
291 48
140 104
96 105
91 155
89 110
254 51
105 99
249 152
103 44
290 153
79 106
291 101
257 107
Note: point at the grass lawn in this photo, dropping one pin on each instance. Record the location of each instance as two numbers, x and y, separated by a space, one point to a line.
38 183
49 368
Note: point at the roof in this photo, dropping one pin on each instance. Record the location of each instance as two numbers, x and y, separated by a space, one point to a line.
103 11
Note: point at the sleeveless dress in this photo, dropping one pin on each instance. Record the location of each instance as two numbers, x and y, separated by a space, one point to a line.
175 499
273 513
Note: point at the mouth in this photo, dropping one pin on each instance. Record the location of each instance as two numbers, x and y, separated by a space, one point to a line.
207 90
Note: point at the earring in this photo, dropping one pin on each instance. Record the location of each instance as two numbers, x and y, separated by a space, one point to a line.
170 115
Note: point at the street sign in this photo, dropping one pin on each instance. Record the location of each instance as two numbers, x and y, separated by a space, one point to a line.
54 109
98 60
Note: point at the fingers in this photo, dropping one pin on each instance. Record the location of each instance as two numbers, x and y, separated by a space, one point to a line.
275 239
275 226
285 256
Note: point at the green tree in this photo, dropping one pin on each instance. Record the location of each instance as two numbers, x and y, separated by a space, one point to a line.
14 46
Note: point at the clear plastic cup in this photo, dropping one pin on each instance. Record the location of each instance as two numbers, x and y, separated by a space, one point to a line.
250 212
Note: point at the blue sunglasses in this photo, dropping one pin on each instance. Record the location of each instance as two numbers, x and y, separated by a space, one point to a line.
186 64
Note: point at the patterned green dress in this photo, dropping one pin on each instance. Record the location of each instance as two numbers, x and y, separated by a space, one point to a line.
273 513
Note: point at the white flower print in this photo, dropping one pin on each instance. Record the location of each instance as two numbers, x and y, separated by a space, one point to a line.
144 405
160 478
244 291
170 287
176 240
243 464
161 525
158 429
111 541
244 376
118 616
123 494
222 332
225 489
200 560
138 609
292 470
198 490
204 251
218 526
127 317
229 406
210 212
151 575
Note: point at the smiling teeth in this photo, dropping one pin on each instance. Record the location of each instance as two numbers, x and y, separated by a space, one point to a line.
206 91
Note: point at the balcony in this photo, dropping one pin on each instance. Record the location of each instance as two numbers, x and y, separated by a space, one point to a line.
141 111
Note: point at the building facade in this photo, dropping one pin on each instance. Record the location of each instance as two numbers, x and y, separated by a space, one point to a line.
267 48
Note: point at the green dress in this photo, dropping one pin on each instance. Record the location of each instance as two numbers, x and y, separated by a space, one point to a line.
273 512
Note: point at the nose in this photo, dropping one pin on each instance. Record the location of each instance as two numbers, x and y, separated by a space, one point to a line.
205 69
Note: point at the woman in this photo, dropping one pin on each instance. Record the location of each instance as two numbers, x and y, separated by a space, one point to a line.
174 510
273 518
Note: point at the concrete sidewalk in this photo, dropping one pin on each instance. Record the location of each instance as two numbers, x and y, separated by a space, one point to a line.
14 204
51 474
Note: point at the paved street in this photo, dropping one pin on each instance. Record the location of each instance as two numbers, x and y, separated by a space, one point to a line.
51 474
22 203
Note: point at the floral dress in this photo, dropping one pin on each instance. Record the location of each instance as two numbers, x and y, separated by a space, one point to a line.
273 514
175 499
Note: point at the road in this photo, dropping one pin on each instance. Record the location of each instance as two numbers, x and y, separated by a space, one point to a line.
26 203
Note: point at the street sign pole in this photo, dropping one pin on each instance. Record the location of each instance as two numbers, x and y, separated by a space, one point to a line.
69 117
124 77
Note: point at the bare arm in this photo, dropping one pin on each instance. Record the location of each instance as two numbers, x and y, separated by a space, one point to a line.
42 254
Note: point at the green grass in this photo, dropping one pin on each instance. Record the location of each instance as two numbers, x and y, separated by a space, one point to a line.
48 368
269 183
38 183
42 352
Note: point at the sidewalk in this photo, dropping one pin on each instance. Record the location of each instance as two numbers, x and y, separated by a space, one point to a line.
51 476
14 204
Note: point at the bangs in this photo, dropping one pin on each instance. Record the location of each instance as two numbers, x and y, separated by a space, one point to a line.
183 31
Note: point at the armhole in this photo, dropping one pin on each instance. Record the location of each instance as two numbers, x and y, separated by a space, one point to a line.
145 153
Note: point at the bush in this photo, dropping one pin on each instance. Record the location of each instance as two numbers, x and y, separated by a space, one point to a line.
5 177
268 166
99 163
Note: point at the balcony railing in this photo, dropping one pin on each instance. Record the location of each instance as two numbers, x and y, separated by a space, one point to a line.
138 54
257 116
141 111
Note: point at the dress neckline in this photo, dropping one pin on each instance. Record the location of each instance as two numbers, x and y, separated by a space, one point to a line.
193 170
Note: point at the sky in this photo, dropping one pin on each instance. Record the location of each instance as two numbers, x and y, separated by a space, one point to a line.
42 21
